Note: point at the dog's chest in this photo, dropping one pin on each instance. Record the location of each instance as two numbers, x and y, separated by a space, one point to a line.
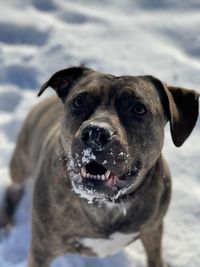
104 247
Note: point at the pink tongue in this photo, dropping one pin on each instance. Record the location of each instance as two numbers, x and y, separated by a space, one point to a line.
111 180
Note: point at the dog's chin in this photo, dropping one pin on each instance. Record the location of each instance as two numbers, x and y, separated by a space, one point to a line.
96 183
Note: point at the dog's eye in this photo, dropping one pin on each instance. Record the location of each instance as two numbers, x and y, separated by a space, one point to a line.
79 102
139 109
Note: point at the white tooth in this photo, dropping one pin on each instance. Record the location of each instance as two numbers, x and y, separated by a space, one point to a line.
103 177
107 174
83 171
94 177
88 175
98 177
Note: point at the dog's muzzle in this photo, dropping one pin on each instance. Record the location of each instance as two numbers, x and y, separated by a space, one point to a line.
102 167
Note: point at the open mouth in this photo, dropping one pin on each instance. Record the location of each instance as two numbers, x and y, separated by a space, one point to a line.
95 171
96 174
98 182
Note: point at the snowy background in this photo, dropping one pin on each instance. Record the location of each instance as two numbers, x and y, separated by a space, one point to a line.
161 38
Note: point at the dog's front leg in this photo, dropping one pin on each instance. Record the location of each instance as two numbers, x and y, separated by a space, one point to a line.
34 261
42 250
152 242
38 258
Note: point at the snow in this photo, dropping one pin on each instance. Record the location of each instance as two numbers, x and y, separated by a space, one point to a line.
161 38
89 194
87 156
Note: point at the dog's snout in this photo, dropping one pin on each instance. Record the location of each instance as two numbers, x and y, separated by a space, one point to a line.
96 137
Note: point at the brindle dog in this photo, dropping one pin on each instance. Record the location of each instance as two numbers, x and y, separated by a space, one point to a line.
101 180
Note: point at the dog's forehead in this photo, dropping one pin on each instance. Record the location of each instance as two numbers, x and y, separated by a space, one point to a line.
110 86
95 82
138 85
100 83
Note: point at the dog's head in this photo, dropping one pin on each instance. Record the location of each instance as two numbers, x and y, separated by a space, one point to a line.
113 127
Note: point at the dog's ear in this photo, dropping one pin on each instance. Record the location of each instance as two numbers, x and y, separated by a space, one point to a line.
182 108
63 80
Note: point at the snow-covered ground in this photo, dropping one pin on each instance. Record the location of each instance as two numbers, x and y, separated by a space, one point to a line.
158 37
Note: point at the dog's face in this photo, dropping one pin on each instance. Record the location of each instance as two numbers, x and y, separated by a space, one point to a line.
112 130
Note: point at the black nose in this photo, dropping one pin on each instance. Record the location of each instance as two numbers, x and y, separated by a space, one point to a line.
96 137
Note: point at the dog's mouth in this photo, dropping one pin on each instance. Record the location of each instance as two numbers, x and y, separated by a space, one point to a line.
95 171
101 183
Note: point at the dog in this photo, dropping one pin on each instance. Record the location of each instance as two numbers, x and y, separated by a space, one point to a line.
95 150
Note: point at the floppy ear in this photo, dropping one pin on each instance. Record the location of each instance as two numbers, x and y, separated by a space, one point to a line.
63 80
182 107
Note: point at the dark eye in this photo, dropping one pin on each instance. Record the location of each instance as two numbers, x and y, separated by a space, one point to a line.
79 102
139 109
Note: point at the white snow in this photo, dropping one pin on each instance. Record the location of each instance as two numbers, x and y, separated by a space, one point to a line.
87 156
91 195
157 37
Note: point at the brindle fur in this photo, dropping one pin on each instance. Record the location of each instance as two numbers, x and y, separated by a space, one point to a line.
60 216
